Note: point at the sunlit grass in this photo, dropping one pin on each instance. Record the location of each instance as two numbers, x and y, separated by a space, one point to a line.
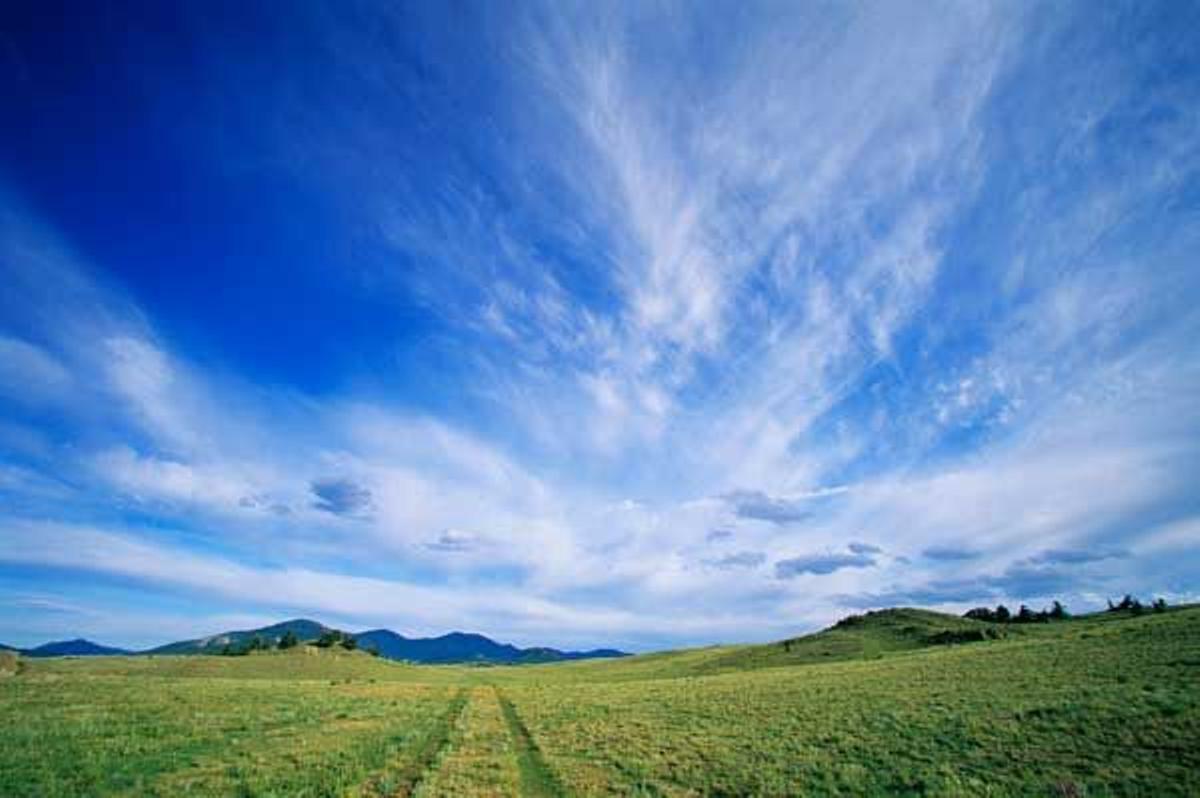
1108 705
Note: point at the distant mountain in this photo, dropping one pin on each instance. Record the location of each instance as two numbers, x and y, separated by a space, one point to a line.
302 628
554 655
448 648
464 647
453 647
73 648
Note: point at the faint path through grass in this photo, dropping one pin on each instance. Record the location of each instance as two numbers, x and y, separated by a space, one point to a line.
481 758
407 774
536 777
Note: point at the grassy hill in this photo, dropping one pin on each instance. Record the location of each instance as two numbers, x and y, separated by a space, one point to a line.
302 628
868 636
900 702
863 637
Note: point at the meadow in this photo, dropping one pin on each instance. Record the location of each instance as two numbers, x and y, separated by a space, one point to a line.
1102 705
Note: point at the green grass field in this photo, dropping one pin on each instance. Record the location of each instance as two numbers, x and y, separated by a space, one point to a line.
1103 705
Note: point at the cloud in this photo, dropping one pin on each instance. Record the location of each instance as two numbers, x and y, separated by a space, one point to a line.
1075 556
935 593
666 278
29 373
516 615
821 564
264 502
341 496
454 540
155 479
741 559
1023 581
759 506
949 554
1026 580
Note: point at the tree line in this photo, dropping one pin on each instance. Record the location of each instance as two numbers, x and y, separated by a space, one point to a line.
329 639
1057 611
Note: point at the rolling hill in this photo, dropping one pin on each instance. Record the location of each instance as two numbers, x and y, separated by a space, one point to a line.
871 636
302 628
894 702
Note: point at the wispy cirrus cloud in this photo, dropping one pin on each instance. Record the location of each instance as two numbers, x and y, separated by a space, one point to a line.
631 313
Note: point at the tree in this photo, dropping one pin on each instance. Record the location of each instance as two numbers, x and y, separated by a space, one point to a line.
1002 614
289 640
1058 612
329 638
980 614
255 643
1127 603
349 642
1160 605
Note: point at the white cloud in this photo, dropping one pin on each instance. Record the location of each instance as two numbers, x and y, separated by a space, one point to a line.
30 374
756 293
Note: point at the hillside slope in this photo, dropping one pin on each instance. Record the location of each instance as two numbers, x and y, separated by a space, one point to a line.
859 637
302 628
1099 705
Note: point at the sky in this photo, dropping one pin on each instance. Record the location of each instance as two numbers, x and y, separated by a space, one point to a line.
593 324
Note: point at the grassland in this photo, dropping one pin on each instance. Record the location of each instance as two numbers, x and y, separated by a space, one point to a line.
1106 705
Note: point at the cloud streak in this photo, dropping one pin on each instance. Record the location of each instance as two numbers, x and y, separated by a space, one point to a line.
640 330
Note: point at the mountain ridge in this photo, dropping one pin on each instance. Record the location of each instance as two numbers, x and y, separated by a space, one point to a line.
78 647
450 648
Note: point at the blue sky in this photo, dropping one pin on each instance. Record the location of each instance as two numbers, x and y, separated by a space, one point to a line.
593 324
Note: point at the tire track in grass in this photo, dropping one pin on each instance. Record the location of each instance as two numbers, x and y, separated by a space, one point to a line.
481 759
405 780
536 777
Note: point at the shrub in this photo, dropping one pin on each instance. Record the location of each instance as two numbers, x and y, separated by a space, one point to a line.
953 636
1127 603
329 638
289 640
